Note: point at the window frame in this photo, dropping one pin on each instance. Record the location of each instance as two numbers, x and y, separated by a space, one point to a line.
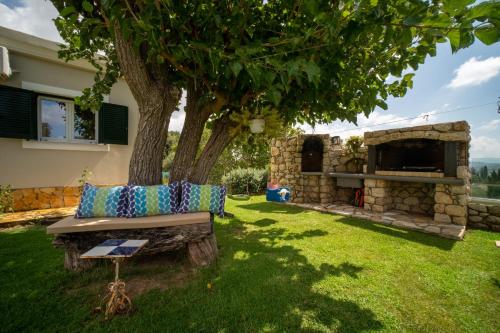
70 122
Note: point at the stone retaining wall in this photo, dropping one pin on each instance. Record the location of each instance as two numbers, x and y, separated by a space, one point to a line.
45 197
484 216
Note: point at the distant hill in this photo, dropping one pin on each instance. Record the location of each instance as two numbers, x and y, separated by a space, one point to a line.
492 163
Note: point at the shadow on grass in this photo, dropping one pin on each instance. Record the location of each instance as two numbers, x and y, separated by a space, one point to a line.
264 223
409 235
272 207
260 283
274 284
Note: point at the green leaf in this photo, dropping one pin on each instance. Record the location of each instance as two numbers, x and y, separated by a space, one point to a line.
67 10
312 70
456 5
454 38
380 103
87 6
236 68
488 35
275 96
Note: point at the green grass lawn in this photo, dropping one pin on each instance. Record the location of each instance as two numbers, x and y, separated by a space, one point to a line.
281 268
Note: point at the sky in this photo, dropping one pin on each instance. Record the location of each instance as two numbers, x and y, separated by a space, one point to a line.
448 87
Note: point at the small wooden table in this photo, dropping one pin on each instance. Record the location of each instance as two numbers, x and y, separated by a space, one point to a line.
116 250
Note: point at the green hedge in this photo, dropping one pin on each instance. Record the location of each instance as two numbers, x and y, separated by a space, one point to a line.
493 191
248 181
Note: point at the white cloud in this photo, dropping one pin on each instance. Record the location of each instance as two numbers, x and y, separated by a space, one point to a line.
33 17
473 72
492 125
177 119
377 120
483 146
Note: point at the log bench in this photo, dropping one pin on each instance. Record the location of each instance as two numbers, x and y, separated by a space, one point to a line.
193 231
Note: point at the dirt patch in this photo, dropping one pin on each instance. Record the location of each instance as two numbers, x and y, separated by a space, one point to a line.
145 273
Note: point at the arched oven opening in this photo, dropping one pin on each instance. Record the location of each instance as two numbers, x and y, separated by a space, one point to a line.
312 154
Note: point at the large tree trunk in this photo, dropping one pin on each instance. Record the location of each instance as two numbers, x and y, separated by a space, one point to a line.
146 161
156 100
218 141
191 133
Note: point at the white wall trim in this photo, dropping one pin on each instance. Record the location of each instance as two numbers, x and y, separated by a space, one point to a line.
51 90
28 144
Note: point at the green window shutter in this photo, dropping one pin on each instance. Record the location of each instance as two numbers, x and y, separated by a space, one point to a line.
113 124
18 116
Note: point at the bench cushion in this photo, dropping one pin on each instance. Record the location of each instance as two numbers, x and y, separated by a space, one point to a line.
103 201
72 224
152 200
202 198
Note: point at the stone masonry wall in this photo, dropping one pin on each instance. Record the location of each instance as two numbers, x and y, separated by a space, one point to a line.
484 216
413 197
450 201
45 197
285 167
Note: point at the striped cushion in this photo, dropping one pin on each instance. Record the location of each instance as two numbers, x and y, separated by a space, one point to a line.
103 202
202 198
153 200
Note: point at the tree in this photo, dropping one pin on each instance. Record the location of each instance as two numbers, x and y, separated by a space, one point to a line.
311 61
483 173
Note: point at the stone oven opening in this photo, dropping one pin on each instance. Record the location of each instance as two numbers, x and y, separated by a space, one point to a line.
419 155
312 154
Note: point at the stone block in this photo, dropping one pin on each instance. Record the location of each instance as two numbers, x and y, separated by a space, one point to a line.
475 219
459 220
442 198
456 210
462 199
47 190
56 201
369 199
71 201
457 189
325 188
370 182
445 127
378 208
411 201
463 172
461 126
402 207
494 210
473 212
378 192
381 183
478 207
454 136
442 218
275 151
493 219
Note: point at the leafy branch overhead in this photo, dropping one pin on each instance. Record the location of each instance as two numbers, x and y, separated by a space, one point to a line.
317 60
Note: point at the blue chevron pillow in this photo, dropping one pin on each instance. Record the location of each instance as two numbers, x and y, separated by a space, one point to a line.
153 200
103 202
202 198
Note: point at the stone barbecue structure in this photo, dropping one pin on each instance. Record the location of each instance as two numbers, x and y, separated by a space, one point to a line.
421 172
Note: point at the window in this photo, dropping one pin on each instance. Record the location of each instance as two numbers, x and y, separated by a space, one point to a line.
61 120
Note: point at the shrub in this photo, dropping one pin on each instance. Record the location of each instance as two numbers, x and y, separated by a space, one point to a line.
493 191
6 199
247 181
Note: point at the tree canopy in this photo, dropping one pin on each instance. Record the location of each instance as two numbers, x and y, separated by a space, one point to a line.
313 61
317 60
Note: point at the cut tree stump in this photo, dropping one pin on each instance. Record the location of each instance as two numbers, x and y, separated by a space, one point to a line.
199 240
203 253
